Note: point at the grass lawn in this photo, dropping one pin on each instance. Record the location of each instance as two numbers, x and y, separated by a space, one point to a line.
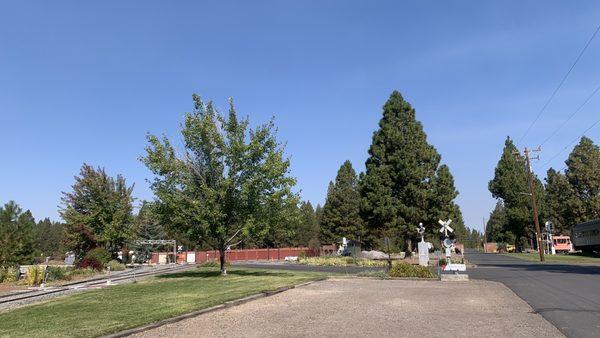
575 259
121 307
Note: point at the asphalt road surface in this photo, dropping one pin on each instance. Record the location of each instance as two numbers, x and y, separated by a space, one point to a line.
568 296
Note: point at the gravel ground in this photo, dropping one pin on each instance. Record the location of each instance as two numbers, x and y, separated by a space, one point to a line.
376 308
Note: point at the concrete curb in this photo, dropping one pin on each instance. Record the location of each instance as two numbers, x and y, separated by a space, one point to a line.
225 305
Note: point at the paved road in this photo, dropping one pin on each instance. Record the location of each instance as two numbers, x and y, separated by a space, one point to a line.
373 308
566 295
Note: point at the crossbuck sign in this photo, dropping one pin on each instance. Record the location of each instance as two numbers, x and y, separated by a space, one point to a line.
446 227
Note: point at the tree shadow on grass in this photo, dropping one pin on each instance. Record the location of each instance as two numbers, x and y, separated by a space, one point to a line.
198 273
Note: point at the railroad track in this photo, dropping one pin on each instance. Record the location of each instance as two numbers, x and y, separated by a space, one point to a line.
84 284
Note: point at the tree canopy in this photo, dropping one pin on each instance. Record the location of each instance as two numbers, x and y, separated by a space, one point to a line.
341 212
231 180
98 211
403 184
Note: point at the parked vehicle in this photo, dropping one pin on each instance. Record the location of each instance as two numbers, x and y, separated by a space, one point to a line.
562 244
586 236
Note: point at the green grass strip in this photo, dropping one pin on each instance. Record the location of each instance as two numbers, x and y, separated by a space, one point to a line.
120 307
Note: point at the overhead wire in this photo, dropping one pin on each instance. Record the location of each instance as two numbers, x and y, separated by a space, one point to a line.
560 84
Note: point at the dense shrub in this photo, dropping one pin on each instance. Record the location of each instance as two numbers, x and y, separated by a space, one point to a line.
55 273
339 261
90 263
115 266
411 271
99 254
82 272
8 274
35 275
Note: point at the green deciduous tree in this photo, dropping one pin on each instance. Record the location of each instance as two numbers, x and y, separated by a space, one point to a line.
341 212
403 184
16 235
97 212
230 181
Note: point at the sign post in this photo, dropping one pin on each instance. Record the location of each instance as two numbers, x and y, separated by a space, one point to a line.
423 247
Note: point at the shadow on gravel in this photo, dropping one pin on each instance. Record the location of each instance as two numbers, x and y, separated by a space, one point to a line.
206 274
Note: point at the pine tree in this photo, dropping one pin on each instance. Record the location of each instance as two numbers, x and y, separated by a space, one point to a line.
16 235
510 184
49 238
583 174
497 226
402 185
341 212
309 230
442 204
560 202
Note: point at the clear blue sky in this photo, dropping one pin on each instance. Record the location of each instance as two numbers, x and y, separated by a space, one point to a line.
84 82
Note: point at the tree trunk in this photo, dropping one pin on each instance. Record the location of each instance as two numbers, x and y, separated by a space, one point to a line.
408 247
222 259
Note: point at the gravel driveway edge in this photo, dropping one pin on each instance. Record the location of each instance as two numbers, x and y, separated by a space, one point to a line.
225 305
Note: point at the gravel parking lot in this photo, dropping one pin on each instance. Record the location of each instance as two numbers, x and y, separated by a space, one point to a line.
376 308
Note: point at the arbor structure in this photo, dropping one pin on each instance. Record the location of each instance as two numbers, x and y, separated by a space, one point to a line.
230 181
403 184
97 212
341 212
16 235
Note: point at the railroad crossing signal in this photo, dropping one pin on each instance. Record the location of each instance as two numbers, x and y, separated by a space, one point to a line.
446 227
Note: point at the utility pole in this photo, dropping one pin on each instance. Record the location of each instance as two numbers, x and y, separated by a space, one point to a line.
533 203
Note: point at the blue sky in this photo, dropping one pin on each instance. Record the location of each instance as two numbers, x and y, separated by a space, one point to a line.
84 82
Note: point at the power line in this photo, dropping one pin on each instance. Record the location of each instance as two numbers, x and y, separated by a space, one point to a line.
560 84
571 116
571 143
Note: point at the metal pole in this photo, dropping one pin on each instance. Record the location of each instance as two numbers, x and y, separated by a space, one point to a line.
534 205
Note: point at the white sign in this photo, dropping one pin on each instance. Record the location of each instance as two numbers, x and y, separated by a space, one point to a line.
446 227
455 267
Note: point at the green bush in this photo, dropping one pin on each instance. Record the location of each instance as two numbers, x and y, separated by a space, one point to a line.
9 274
82 272
115 265
411 271
100 255
339 261
56 273
35 275
443 261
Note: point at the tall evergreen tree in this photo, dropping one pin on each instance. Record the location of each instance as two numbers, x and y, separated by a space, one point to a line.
231 181
16 235
583 174
49 238
341 212
442 205
497 226
308 231
560 202
510 184
403 185
98 211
